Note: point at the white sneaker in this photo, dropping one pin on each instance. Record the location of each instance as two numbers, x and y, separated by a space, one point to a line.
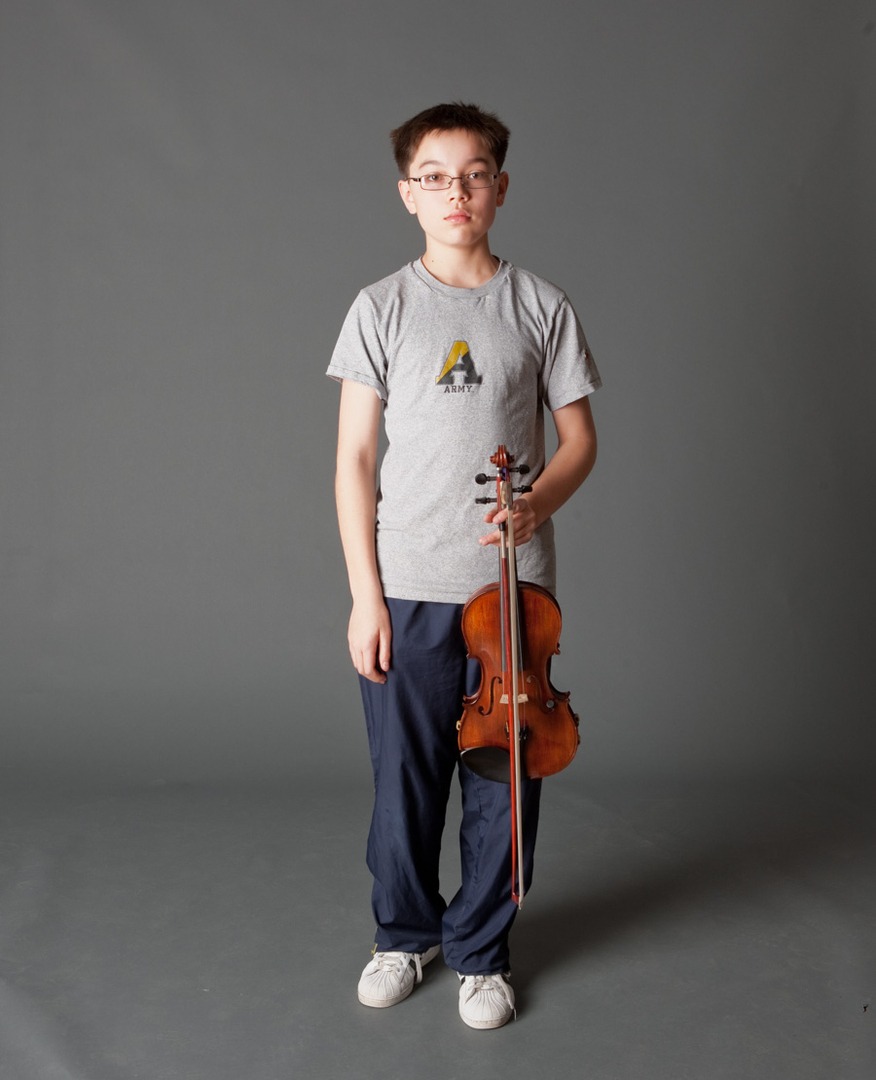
391 976
485 1001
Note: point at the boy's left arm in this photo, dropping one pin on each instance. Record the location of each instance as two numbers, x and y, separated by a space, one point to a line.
562 476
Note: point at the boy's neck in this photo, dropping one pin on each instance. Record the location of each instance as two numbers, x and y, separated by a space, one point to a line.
462 270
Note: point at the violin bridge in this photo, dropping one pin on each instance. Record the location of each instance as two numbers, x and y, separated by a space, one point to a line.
521 699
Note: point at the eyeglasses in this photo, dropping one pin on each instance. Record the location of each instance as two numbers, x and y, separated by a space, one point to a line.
441 181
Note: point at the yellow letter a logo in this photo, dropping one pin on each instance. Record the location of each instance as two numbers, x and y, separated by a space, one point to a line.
459 366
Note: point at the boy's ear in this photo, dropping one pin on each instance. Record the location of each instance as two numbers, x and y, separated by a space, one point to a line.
503 188
404 189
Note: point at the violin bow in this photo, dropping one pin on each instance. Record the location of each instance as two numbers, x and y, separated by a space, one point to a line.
511 663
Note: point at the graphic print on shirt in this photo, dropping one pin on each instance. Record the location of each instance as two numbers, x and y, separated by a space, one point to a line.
459 374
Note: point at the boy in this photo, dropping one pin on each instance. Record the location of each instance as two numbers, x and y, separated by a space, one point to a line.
457 351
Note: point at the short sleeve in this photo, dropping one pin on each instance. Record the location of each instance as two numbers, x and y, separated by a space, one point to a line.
570 371
359 353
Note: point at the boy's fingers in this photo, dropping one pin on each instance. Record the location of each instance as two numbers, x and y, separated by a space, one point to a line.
369 671
372 661
385 650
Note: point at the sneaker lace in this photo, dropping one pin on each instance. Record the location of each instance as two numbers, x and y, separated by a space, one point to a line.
484 983
398 961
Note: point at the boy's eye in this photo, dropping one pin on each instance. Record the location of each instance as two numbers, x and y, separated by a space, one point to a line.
477 177
435 178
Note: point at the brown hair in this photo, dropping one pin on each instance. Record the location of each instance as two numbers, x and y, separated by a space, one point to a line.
455 117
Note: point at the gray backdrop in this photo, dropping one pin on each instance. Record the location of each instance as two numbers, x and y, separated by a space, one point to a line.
191 196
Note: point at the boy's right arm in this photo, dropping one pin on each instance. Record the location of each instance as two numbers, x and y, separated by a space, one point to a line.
369 633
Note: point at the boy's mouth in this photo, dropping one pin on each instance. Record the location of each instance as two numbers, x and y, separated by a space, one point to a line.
457 215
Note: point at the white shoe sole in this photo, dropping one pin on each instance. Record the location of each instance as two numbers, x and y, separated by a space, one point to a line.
487 1025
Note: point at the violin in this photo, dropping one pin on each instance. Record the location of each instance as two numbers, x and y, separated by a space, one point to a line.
517 724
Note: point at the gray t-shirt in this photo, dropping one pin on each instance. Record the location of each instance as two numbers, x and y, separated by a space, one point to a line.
459 371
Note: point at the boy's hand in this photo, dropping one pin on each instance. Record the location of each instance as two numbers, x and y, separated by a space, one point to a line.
524 523
369 635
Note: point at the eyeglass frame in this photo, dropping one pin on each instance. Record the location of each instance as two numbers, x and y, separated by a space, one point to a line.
493 178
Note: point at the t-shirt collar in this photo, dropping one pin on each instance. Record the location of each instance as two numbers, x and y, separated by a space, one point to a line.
453 290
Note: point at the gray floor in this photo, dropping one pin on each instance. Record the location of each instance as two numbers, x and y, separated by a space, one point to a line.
674 931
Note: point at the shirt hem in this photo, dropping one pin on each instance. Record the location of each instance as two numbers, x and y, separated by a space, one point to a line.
429 596
573 395
339 374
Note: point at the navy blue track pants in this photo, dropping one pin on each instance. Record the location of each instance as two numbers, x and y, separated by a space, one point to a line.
412 736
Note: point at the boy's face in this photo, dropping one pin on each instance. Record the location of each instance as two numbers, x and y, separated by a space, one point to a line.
457 217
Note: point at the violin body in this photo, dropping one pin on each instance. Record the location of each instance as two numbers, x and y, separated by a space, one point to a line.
548 727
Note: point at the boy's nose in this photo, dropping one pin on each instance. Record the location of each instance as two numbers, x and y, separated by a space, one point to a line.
457 188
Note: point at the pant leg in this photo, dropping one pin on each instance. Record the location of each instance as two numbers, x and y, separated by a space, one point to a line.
478 920
411 721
